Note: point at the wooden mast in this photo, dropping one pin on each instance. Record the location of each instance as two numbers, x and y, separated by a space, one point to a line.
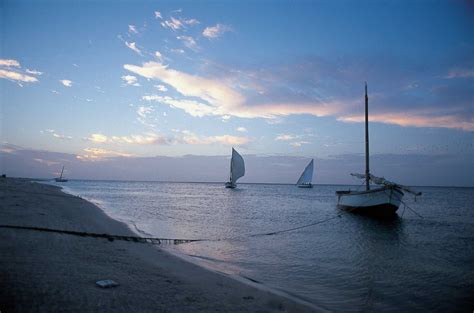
367 172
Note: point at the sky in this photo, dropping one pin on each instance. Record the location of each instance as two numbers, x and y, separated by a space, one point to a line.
90 84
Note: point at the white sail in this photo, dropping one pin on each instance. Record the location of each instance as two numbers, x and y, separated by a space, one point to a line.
307 175
383 181
237 166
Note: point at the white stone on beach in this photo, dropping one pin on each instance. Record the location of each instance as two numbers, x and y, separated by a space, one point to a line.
106 283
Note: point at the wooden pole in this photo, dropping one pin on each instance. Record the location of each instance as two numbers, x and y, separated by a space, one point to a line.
367 172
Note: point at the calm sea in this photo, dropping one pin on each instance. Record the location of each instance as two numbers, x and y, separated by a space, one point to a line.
348 263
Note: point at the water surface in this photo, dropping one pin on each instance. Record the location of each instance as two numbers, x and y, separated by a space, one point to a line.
349 263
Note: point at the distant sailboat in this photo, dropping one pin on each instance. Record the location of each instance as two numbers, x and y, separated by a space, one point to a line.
382 201
237 169
306 177
60 179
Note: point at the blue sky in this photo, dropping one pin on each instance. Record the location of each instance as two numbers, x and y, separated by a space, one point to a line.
101 79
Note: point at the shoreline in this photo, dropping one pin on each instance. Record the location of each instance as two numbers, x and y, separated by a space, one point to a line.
50 272
190 259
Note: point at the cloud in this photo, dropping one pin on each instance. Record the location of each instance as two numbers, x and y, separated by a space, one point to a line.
130 80
178 51
460 73
98 138
222 99
179 23
146 139
192 107
143 116
159 56
144 111
132 29
223 96
242 129
193 139
292 138
191 22
218 30
173 24
415 120
48 163
284 137
66 82
96 154
55 134
33 72
133 46
298 143
8 73
215 92
18 77
451 169
149 138
161 88
9 63
189 42
158 15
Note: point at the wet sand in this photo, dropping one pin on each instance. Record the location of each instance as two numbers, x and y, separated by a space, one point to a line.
51 272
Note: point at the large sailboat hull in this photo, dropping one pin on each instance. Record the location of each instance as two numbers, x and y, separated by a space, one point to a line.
383 201
60 180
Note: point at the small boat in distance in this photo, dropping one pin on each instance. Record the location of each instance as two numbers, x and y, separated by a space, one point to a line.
237 169
306 177
382 201
60 179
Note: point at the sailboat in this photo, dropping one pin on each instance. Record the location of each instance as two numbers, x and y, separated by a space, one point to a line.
60 179
237 169
381 201
306 177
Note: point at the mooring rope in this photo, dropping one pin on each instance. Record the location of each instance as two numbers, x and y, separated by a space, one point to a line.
106 236
156 240
294 228
405 205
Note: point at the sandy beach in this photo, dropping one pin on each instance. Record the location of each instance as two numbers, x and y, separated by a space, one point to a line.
52 272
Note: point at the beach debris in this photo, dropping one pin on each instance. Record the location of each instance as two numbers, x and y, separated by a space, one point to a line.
106 283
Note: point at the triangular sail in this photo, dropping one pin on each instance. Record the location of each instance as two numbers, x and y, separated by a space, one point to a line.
61 176
237 166
307 175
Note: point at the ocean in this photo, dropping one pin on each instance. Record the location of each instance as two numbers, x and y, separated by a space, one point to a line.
336 260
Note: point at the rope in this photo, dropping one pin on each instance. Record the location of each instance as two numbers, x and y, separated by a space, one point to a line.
106 236
295 228
405 205
412 209
154 240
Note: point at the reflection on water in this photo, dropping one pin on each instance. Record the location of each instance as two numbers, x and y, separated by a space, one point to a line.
353 263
